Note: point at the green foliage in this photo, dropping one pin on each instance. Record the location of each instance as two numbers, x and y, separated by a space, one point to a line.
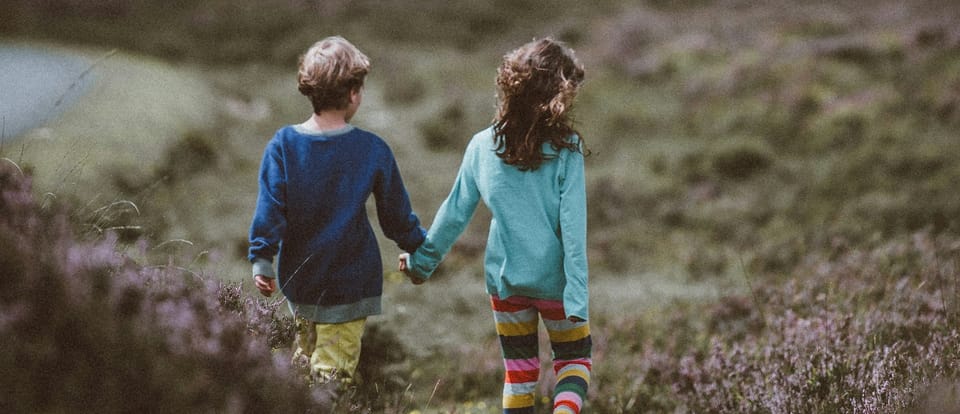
403 88
194 153
444 132
740 161
228 32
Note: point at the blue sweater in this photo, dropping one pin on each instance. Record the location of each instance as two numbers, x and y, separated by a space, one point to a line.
311 211
537 241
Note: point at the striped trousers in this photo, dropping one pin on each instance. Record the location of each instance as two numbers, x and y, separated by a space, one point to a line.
518 321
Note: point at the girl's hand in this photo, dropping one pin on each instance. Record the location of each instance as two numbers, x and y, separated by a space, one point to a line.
404 258
265 285
404 266
575 319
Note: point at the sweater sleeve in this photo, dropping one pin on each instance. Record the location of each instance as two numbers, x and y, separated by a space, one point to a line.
573 231
396 216
269 218
451 220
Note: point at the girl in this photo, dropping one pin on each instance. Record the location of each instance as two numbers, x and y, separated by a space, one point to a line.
528 170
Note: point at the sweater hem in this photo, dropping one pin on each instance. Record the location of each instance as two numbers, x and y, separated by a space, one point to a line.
337 313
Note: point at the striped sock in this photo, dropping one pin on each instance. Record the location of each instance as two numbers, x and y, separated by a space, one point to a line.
517 321
572 363
571 390
517 328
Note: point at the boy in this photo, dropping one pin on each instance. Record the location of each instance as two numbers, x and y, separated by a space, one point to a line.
314 181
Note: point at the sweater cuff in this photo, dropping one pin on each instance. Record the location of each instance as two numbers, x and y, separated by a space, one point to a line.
421 265
263 267
413 241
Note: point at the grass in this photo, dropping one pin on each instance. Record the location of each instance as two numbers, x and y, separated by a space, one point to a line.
132 96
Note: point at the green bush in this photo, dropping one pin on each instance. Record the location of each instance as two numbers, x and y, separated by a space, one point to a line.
195 152
741 161
445 131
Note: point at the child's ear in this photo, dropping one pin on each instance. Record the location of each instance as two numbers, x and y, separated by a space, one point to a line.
355 94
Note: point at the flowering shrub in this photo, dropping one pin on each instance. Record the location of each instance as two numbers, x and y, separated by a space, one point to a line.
85 328
871 331
263 319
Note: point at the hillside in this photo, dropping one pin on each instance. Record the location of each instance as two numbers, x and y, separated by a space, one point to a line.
766 179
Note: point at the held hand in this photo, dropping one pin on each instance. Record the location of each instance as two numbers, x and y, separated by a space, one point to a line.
404 266
575 319
404 258
265 285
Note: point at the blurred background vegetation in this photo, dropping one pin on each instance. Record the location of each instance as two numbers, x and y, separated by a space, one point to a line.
732 140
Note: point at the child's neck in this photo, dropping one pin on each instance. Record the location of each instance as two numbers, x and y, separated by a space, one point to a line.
326 121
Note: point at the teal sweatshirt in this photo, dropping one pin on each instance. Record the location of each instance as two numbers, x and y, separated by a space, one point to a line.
537 241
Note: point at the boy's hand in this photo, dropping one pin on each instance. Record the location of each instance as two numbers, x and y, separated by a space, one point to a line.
266 285
405 267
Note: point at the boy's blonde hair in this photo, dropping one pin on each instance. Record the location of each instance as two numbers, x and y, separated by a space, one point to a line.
329 71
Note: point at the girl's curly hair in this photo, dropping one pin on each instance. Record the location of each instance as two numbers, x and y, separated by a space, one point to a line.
536 85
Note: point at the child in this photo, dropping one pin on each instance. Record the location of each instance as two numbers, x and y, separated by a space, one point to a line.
528 170
314 181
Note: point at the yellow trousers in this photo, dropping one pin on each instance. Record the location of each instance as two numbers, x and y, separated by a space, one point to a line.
331 349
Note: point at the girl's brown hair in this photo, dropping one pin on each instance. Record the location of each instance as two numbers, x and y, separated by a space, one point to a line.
536 85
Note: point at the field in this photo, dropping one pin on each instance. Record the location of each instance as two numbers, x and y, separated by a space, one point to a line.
774 223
